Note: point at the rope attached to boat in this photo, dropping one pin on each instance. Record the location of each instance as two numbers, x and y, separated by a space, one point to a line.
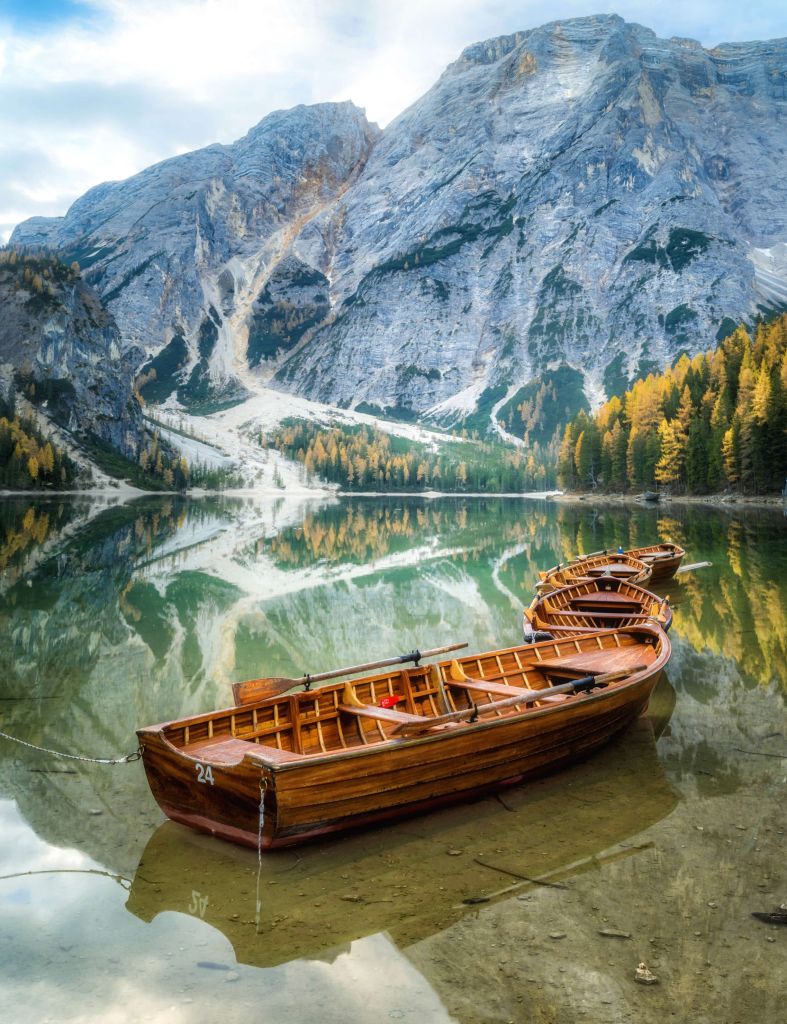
127 759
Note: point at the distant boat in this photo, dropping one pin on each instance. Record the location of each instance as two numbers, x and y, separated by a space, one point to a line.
289 768
622 565
664 559
602 603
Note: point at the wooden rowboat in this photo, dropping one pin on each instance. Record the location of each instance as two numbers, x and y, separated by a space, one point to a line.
664 559
589 567
598 604
335 893
280 770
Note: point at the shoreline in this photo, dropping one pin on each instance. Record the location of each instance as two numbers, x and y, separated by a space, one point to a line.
714 500
127 493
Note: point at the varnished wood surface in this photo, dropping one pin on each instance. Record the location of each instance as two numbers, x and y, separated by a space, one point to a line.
557 827
597 604
622 566
664 559
316 766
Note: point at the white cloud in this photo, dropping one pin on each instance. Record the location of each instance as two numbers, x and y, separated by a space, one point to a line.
129 82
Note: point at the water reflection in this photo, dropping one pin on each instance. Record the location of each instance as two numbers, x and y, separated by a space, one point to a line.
315 902
115 616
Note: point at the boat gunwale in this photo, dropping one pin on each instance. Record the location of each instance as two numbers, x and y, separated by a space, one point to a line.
256 755
537 605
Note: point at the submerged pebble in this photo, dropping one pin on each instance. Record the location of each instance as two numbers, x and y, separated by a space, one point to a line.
645 976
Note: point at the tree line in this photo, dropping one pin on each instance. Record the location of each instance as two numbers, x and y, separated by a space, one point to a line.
29 459
363 458
706 424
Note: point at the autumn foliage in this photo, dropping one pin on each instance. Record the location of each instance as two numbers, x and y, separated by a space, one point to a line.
28 459
362 458
706 424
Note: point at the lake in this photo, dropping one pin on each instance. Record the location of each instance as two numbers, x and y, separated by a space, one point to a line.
536 905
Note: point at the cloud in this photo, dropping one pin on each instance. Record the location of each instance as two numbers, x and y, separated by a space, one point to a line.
103 88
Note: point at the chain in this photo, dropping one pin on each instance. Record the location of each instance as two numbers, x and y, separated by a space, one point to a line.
133 756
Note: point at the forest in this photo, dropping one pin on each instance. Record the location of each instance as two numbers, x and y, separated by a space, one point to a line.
711 423
28 459
363 458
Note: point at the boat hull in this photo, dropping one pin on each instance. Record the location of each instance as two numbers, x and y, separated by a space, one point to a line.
664 559
270 800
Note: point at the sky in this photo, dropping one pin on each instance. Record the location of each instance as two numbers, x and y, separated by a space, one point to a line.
96 90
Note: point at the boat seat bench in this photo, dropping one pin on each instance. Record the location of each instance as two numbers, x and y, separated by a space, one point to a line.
382 714
230 750
594 662
486 686
501 690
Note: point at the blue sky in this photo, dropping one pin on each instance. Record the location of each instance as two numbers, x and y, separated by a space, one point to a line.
94 90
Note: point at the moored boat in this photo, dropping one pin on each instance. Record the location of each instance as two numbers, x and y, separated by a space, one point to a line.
602 603
336 893
291 767
621 565
664 559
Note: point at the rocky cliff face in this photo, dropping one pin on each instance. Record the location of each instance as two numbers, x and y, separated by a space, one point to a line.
181 252
59 344
583 193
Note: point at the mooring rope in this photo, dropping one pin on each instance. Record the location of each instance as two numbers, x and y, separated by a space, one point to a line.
127 759
260 827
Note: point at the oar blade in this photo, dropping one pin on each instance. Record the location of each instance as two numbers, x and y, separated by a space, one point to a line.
252 690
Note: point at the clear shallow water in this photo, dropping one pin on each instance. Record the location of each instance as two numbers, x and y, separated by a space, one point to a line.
112 617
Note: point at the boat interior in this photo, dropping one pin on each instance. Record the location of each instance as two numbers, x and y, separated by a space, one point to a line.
596 604
372 710
582 570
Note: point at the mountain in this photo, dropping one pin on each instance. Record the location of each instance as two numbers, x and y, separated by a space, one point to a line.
181 251
60 347
579 202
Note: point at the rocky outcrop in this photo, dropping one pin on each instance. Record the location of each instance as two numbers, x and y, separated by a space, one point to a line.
60 346
181 252
584 193
574 194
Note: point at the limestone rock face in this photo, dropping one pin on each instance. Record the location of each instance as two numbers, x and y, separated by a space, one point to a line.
582 193
182 250
64 344
585 192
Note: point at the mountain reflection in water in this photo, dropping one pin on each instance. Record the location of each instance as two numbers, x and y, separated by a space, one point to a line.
112 616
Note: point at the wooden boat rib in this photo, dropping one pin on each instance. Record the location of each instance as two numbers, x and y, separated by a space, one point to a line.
293 767
664 559
597 604
621 566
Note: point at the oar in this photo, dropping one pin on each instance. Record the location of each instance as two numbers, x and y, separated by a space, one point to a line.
258 689
522 697
692 567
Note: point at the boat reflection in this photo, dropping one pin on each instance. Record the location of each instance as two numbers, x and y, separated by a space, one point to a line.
413 879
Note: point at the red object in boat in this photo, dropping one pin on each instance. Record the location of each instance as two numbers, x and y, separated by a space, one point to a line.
391 702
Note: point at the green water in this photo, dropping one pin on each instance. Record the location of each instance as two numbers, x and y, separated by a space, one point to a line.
113 617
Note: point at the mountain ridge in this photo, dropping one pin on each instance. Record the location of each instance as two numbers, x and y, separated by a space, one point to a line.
581 194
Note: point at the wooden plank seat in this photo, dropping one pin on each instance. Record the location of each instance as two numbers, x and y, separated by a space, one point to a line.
231 750
486 686
603 599
587 663
501 690
613 569
381 714
615 616
228 750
